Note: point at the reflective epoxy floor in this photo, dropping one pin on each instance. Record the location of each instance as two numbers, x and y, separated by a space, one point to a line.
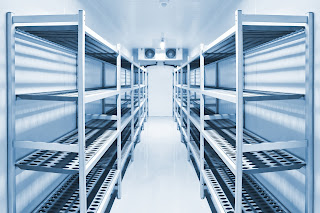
160 179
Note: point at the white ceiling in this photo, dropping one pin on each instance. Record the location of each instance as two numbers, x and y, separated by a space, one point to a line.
139 23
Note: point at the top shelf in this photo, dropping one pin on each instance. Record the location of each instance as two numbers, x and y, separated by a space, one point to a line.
253 36
67 36
257 30
229 94
63 31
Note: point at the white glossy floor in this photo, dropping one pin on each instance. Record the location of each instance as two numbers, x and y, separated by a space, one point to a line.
160 180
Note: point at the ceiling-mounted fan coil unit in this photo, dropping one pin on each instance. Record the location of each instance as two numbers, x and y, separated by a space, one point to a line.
152 54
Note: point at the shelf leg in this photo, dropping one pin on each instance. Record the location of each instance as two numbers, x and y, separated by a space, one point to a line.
11 132
201 123
239 111
81 111
132 110
119 121
188 110
309 122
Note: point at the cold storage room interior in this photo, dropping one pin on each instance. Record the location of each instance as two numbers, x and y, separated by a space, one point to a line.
159 106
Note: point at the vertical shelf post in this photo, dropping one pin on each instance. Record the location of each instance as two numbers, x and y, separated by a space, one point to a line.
181 95
144 92
147 93
217 85
188 109
132 109
119 120
309 123
103 76
239 110
81 111
201 122
174 95
139 97
11 104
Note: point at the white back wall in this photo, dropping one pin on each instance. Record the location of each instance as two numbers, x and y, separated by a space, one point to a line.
160 90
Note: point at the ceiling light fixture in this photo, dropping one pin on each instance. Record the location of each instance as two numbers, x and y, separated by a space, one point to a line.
164 3
162 44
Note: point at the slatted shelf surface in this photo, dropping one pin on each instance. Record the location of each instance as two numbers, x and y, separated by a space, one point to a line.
256 198
97 133
67 36
229 94
66 197
99 180
253 36
90 95
223 132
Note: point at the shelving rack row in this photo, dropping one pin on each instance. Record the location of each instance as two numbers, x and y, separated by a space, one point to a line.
226 153
95 155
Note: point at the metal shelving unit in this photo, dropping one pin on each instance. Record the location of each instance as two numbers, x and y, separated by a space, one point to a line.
228 155
96 153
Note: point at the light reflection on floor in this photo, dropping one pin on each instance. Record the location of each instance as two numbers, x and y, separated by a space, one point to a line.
160 179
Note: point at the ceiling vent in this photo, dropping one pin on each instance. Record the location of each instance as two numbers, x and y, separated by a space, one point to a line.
171 53
149 53
152 54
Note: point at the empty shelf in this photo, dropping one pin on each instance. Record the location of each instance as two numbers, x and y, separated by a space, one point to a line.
221 184
248 95
100 134
100 184
221 135
90 95
67 36
253 36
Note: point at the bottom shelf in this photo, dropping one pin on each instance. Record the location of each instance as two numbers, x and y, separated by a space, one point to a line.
101 183
220 183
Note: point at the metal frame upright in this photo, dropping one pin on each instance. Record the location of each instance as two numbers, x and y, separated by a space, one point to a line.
309 122
81 110
239 110
201 122
188 110
119 120
11 107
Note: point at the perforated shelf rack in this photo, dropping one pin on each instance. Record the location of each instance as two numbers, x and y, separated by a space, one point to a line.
253 36
100 179
100 183
256 198
223 132
98 132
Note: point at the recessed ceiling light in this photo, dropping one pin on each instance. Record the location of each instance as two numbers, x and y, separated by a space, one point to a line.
162 44
164 3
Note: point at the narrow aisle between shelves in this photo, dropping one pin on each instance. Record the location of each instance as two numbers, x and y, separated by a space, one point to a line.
160 178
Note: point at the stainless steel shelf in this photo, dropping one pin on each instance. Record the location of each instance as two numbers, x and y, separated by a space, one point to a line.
229 94
220 182
100 184
90 96
99 133
253 36
67 36
221 134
